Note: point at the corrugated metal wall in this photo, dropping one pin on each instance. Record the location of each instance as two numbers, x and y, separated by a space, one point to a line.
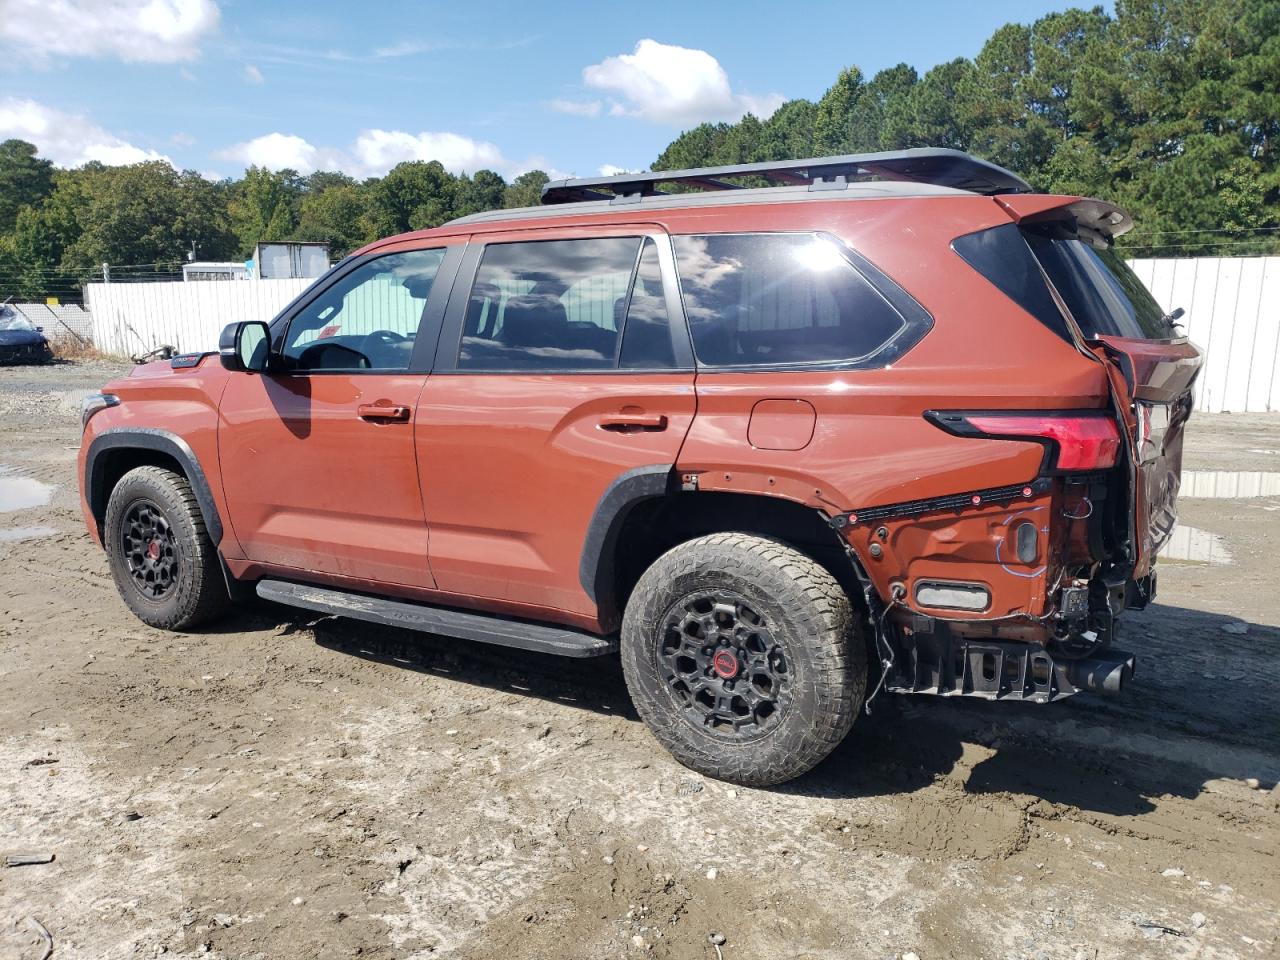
133 318
1233 315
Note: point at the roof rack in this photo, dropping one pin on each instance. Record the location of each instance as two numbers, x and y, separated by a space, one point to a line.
947 168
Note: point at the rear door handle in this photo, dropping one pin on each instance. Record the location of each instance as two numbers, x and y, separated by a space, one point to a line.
382 411
627 422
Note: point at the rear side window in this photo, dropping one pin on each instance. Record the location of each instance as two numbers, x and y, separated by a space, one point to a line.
1003 257
549 305
780 299
646 339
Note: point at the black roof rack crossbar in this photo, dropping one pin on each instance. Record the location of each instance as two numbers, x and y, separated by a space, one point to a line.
946 168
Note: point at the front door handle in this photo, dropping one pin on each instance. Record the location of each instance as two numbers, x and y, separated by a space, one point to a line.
382 411
628 422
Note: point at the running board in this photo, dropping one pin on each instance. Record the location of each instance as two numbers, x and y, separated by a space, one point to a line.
483 627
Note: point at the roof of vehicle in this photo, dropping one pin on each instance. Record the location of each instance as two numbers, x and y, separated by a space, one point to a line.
858 176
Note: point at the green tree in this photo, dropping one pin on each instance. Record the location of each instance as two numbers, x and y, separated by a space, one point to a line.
833 120
337 215
415 195
525 190
482 191
25 180
262 206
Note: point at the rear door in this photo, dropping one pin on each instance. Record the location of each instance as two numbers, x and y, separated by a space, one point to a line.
564 368
1152 367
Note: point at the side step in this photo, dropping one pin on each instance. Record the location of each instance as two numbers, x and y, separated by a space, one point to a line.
483 627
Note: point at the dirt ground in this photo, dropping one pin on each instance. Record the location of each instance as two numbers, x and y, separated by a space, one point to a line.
283 787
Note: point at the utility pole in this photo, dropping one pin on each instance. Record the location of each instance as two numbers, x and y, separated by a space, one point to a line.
106 273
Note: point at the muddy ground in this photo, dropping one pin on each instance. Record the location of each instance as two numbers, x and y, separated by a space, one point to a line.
280 787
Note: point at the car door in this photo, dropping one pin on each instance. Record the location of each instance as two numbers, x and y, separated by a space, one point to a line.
317 455
564 366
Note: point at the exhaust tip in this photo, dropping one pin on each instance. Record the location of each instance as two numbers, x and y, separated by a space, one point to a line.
1107 672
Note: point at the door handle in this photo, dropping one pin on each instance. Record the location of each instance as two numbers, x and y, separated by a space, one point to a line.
382 411
628 422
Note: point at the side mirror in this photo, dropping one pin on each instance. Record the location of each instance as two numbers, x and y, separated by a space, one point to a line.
245 346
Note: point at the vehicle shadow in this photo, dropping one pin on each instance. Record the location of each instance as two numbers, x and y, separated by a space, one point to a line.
908 743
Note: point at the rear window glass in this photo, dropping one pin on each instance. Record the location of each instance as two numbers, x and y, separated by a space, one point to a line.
779 299
1104 296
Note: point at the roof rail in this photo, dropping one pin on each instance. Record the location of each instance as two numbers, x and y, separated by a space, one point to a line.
947 168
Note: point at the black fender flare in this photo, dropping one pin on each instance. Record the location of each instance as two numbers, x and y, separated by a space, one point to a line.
596 567
159 441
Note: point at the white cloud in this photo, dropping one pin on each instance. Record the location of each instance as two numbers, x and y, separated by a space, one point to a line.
67 139
674 85
380 150
609 170
154 31
275 151
373 153
182 139
576 108
252 74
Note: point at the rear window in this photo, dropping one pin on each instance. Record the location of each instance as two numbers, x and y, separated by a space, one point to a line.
781 299
1103 295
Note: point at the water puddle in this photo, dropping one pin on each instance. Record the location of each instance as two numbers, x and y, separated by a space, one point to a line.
1229 484
22 493
19 534
1191 545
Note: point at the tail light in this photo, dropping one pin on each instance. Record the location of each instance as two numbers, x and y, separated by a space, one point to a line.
1072 441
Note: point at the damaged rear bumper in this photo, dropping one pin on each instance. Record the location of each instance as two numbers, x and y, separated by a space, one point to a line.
945 665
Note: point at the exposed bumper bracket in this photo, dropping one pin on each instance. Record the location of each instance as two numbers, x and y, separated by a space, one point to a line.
943 665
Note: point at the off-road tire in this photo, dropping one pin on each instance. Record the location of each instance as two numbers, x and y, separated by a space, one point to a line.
806 614
197 592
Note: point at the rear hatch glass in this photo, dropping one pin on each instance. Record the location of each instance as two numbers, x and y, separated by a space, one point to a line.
1104 296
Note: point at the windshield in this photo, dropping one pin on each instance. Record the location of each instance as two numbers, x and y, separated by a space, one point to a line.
15 323
1104 296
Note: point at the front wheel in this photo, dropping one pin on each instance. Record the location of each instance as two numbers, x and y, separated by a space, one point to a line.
162 560
744 657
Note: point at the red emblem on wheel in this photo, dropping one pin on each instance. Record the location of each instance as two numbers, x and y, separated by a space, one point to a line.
725 663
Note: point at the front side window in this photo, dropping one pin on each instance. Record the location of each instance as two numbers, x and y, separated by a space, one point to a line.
368 319
549 305
779 299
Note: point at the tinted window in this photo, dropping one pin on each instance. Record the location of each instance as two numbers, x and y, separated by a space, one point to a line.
1104 296
646 337
1003 257
548 305
779 299
368 319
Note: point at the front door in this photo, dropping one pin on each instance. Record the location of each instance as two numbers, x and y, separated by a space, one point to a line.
317 456
564 364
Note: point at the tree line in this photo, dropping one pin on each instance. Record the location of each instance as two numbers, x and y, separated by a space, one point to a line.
1170 108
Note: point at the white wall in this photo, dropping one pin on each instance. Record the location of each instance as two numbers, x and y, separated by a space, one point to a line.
1233 315
133 318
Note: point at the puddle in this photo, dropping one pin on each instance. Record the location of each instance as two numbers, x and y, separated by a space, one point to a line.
21 493
1192 545
1229 484
18 534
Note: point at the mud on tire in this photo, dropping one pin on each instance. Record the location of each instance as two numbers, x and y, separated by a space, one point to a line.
162 560
744 657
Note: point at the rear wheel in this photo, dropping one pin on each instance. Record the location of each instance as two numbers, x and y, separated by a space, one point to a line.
744 658
161 557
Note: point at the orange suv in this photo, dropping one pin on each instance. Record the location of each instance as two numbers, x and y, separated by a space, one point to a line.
790 436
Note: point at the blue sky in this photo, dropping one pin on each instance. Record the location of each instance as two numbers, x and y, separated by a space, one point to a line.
574 88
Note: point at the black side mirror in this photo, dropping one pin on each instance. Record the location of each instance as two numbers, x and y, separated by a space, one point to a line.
245 346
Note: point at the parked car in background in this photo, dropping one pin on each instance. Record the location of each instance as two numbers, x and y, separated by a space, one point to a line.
21 341
894 423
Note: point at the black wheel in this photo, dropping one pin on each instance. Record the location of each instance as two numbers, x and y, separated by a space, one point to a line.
161 558
744 657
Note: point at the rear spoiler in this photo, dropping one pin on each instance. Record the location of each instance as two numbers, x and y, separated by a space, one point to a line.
1094 216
